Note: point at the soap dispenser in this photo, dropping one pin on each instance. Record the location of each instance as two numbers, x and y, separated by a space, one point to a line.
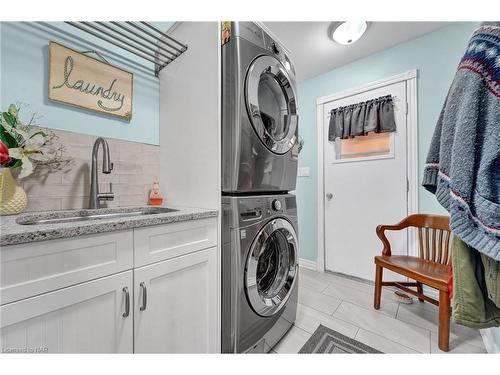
155 196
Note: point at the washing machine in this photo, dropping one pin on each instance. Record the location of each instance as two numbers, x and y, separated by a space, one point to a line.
259 271
259 113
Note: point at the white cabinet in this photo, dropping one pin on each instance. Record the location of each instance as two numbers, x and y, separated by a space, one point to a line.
85 318
162 242
175 305
70 295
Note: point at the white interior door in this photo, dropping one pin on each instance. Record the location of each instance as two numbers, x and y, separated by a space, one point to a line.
363 192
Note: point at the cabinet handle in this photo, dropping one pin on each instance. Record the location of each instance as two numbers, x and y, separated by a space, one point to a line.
144 296
127 302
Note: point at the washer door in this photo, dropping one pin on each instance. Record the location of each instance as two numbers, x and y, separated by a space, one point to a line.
271 104
271 268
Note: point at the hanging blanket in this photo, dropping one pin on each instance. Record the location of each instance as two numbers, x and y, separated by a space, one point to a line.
463 170
463 164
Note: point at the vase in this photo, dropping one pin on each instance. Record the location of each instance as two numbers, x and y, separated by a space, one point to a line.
13 198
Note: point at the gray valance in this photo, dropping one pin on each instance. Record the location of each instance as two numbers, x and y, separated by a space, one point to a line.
376 115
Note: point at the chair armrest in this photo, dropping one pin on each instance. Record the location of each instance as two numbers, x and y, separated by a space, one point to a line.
403 224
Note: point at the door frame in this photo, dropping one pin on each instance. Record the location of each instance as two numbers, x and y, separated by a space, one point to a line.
410 77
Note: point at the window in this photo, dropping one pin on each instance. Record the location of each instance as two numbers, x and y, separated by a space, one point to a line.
373 145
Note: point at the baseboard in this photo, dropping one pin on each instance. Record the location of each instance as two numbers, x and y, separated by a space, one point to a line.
489 341
309 264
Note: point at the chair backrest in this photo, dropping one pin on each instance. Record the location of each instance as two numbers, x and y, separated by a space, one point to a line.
434 236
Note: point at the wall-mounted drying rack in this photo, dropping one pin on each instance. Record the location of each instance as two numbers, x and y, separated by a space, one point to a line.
139 38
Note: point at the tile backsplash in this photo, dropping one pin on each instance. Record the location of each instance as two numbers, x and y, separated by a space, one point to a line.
135 166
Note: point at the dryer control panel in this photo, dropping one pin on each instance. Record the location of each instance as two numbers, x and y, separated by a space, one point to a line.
276 205
256 35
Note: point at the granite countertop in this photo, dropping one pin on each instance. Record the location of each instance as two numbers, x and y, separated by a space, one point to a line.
13 233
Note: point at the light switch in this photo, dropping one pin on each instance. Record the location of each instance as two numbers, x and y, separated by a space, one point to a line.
303 172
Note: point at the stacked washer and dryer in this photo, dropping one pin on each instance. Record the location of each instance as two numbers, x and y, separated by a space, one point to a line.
259 169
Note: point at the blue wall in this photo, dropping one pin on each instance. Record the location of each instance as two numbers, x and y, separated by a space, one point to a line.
435 55
24 72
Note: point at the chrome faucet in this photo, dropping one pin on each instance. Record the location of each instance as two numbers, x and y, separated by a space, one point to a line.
96 197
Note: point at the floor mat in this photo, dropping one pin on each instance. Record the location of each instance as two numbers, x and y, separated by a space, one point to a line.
326 340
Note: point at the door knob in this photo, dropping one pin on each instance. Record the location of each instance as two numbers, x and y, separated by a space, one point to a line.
329 196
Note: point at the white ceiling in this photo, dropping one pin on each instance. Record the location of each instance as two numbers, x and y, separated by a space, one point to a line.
314 52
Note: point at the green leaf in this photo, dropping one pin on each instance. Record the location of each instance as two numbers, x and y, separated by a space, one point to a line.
39 132
11 119
7 139
15 163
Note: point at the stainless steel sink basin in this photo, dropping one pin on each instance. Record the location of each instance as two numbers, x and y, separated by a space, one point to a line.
89 215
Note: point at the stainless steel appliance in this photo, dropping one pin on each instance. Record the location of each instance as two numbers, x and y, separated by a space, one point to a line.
259 271
259 113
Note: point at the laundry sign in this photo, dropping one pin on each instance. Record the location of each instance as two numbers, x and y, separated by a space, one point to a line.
83 81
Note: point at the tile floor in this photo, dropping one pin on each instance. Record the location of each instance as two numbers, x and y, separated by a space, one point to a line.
346 306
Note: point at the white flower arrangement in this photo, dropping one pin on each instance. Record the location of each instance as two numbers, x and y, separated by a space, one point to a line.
26 146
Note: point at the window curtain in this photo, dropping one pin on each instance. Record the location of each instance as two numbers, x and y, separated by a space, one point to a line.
376 115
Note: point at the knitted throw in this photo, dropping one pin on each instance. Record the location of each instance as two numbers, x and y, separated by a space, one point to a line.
463 164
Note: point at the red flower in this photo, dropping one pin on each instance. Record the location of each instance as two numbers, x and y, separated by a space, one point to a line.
4 154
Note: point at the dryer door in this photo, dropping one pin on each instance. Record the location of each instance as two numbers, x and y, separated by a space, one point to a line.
271 267
271 104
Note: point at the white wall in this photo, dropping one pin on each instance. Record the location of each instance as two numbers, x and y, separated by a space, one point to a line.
189 119
190 126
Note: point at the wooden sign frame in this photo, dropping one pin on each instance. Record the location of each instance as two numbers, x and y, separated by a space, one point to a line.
83 81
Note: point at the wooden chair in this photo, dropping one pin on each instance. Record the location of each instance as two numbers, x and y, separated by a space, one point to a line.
431 268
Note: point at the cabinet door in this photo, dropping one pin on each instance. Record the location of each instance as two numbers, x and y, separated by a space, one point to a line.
85 318
175 307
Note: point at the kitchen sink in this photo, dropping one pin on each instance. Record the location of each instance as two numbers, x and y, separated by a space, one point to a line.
89 215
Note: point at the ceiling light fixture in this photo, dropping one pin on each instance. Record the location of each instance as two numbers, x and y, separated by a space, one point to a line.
348 32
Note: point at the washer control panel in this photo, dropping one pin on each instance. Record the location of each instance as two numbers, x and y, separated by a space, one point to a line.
256 208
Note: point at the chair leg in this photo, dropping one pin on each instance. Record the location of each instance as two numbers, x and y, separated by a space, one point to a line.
378 287
420 289
444 321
